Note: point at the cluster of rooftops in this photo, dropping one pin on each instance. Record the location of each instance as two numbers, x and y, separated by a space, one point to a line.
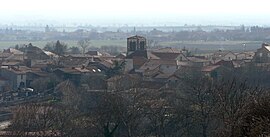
151 64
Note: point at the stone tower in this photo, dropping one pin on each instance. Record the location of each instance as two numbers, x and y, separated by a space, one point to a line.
136 43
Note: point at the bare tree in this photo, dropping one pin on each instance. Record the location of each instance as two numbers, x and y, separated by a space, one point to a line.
106 116
84 43
234 98
69 94
57 47
34 119
74 50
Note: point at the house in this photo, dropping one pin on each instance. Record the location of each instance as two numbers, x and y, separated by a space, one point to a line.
35 53
165 66
123 82
159 70
215 71
51 54
137 58
170 56
3 56
105 54
74 60
93 53
262 55
12 63
223 55
121 55
173 82
198 61
245 56
241 63
11 55
4 84
35 74
227 64
39 63
16 57
16 75
103 65
13 51
173 79
75 73
168 53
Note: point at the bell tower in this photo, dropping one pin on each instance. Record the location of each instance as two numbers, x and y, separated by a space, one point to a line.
136 43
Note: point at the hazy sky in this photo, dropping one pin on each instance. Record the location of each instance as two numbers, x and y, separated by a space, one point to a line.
136 11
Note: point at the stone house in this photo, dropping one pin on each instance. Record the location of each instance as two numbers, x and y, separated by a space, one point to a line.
15 75
122 82
262 55
75 74
223 55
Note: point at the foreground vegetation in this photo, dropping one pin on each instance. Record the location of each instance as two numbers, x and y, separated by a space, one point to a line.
235 105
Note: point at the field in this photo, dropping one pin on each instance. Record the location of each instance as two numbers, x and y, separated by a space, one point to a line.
215 45
192 45
70 43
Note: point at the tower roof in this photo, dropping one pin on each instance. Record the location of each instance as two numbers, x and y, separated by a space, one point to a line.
136 37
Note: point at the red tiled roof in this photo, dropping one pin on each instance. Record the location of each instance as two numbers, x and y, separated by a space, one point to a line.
138 61
156 62
210 68
195 59
18 69
168 56
167 50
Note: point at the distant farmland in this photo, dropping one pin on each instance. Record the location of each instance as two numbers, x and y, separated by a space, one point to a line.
215 45
70 43
192 45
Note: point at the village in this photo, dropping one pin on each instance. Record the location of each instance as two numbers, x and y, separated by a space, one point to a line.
152 78
24 73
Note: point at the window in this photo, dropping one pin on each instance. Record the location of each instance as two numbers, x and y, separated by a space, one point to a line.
142 44
132 46
260 54
21 76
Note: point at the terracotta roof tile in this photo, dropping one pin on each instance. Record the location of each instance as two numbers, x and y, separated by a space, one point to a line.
210 68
